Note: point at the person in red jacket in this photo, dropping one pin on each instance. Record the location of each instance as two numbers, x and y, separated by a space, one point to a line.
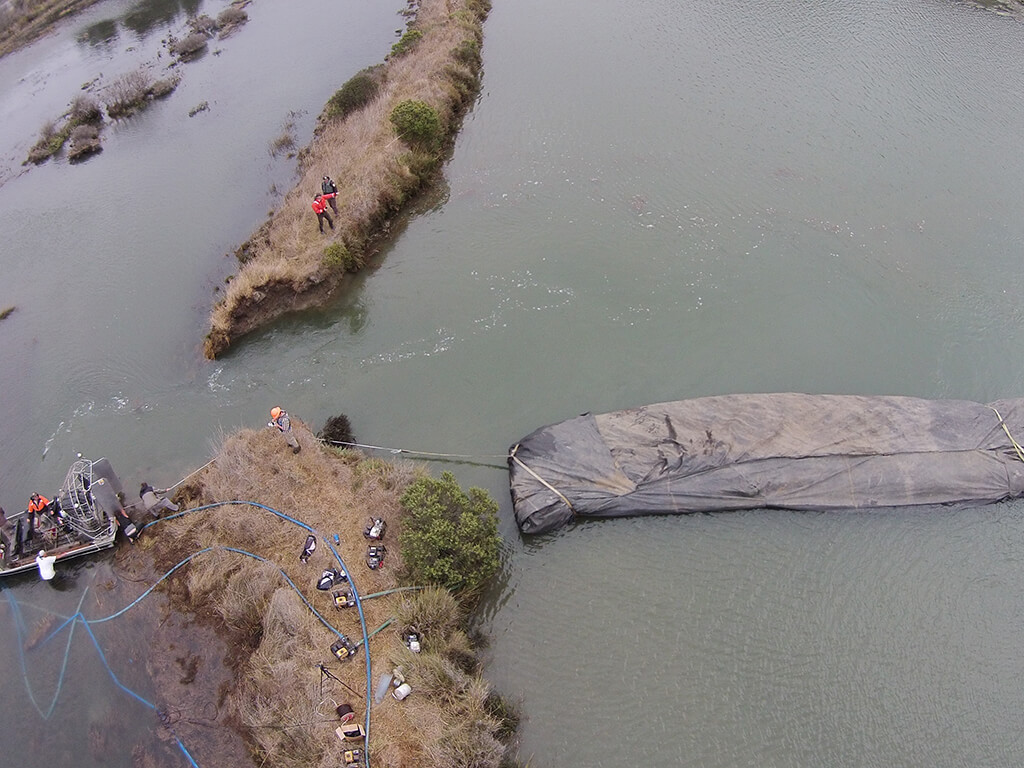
320 209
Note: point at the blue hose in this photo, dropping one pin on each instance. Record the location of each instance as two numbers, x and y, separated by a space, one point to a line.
71 621
341 562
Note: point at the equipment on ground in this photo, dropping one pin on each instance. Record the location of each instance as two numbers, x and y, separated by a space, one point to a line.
375 530
344 648
375 556
412 641
330 577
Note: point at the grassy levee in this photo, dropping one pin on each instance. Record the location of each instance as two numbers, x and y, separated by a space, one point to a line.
24 21
285 267
451 719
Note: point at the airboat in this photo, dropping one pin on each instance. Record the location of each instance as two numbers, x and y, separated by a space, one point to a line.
83 518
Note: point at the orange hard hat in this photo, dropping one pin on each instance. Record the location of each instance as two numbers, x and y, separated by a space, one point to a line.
275 412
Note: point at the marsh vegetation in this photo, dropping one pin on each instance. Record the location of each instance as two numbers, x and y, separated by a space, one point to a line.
451 719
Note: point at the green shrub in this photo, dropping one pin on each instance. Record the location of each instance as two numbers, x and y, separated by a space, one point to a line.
479 7
467 52
449 538
406 43
355 94
337 257
417 123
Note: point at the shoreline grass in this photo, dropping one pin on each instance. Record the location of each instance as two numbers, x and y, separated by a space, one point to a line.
285 264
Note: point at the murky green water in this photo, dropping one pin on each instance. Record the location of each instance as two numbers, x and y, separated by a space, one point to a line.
650 201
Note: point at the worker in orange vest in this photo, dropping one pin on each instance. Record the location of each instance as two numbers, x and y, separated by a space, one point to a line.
37 503
320 209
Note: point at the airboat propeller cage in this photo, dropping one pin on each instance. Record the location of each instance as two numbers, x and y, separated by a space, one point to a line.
786 450
90 496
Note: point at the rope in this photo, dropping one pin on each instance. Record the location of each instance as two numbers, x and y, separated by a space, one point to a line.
1016 447
395 451
186 477
20 627
422 453
541 480
135 504
163 717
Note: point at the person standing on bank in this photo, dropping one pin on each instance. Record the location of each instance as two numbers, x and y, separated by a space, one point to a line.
320 209
330 190
279 419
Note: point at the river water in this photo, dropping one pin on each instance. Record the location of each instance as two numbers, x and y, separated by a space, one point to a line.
651 200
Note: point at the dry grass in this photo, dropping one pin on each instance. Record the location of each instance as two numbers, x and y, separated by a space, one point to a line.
85 140
278 643
190 46
23 21
377 174
128 93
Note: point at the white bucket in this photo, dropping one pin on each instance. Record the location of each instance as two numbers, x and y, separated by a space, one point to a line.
402 691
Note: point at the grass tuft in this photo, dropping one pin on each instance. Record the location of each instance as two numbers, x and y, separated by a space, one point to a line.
128 93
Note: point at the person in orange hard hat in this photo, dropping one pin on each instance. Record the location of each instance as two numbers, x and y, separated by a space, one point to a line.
279 418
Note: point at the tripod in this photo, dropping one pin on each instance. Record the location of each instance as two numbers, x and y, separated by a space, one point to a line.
326 673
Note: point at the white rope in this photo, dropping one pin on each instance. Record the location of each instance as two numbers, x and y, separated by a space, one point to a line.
423 453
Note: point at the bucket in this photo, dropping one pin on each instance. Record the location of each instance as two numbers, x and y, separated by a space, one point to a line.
402 691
